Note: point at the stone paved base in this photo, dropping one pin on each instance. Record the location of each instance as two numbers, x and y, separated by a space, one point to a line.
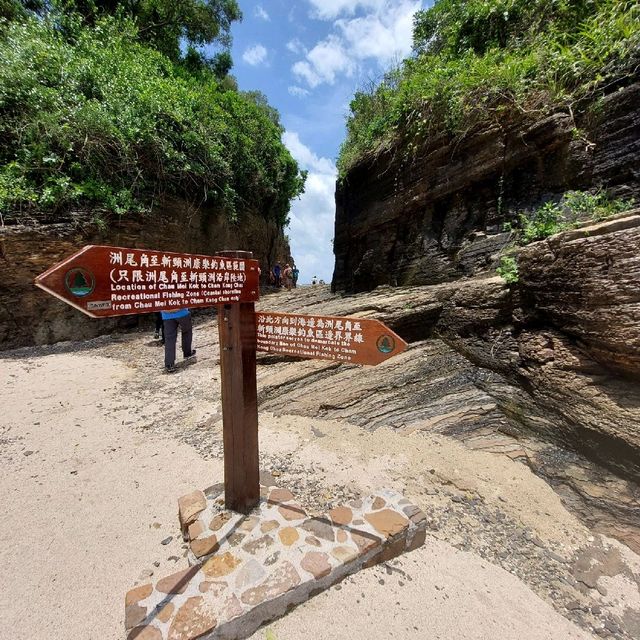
249 569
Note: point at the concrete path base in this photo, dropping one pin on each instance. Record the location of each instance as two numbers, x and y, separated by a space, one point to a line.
249 569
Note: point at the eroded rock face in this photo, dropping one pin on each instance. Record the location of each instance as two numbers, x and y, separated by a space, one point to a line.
554 357
30 316
568 336
586 282
439 215
557 354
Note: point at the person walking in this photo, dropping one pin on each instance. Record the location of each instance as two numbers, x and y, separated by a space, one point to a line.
287 275
159 332
296 273
171 321
276 274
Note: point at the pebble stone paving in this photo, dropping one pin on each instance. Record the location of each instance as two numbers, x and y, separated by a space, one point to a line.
249 569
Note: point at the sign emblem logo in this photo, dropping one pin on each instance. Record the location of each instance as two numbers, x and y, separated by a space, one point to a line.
80 282
385 344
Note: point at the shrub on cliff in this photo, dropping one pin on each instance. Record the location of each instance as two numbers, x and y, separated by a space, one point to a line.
91 117
574 208
479 62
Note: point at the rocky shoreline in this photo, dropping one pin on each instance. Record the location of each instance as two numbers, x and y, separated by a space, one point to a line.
429 432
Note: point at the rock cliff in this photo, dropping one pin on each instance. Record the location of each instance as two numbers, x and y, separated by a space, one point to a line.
545 370
553 359
436 215
30 316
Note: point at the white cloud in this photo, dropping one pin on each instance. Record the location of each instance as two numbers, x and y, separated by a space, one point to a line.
330 9
312 215
304 70
259 12
299 92
255 55
383 35
295 46
305 157
327 59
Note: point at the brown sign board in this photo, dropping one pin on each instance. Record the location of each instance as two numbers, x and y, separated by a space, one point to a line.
352 340
104 281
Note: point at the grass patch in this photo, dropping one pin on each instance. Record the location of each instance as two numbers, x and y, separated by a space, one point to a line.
508 269
574 208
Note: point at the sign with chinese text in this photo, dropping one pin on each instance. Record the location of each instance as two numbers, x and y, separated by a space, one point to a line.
106 281
353 340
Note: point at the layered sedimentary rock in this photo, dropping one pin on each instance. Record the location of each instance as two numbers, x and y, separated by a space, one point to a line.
553 358
30 316
560 360
586 282
555 354
438 214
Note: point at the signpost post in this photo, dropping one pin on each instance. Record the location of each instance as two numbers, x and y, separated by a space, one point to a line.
104 281
237 331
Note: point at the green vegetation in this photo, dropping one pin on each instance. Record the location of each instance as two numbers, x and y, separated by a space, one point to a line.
164 25
104 112
575 207
478 62
508 269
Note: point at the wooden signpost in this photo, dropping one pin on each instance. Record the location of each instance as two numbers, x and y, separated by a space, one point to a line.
237 331
104 281
113 281
353 340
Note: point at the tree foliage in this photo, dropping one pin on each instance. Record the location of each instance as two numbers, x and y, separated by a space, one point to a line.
453 27
92 117
165 25
482 61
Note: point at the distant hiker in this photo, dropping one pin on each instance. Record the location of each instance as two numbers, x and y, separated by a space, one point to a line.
159 332
288 277
315 280
276 274
172 320
296 273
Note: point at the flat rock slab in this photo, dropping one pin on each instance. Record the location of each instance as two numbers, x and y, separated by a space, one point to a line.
249 569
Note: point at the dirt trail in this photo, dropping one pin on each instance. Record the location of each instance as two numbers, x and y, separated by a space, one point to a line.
98 444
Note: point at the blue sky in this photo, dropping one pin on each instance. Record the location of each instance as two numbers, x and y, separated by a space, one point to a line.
309 57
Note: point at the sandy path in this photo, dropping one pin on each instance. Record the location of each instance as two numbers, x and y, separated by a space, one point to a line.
89 495
87 510
436 593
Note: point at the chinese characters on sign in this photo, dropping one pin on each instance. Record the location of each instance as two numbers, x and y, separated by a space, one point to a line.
110 281
353 340
149 280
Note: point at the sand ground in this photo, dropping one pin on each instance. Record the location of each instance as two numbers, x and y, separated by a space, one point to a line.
97 444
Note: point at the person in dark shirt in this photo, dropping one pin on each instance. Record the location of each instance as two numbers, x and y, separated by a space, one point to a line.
277 273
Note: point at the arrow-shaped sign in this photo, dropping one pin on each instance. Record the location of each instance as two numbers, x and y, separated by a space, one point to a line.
353 340
106 281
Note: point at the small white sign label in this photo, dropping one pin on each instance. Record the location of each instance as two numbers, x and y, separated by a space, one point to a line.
98 305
